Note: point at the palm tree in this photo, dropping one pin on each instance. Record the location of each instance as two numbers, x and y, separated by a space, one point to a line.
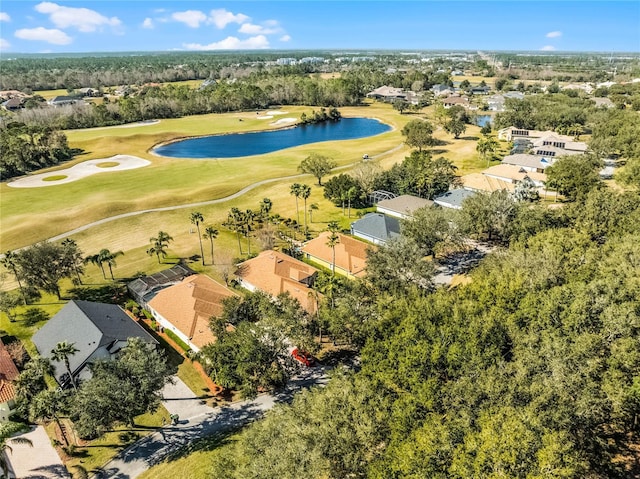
295 191
332 241
10 262
61 352
235 222
106 256
47 405
248 218
487 146
312 207
265 207
196 219
305 192
159 245
210 233
95 259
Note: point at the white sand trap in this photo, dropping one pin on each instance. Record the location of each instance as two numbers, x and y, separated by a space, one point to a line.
81 170
126 125
277 112
266 117
283 121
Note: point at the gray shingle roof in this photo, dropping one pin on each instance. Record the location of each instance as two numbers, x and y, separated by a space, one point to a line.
89 326
453 198
404 204
377 225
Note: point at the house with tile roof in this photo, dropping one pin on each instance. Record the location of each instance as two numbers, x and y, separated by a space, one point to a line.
402 206
97 330
455 100
514 174
276 273
8 374
376 227
350 254
186 307
482 183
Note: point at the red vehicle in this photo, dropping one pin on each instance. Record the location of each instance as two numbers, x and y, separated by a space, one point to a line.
303 357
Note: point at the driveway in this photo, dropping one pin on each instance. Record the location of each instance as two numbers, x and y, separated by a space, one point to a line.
196 421
38 462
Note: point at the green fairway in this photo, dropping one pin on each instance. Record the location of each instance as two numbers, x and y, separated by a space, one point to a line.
29 215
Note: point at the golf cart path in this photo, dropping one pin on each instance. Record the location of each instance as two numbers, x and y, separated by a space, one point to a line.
233 196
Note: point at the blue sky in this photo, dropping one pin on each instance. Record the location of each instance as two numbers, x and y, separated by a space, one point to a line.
115 25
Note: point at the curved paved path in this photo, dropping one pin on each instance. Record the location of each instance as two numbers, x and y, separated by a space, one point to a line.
202 421
235 195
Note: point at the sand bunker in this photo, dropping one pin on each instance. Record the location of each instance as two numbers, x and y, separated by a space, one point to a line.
283 121
81 170
266 117
277 112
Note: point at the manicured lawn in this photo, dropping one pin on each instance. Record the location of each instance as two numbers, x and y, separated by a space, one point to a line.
33 214
98 452
195 459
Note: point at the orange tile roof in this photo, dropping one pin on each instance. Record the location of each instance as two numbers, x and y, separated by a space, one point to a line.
189 304
351 254
8 373
276 273
480 182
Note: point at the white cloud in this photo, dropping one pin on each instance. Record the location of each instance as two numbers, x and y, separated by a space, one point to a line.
191 18
221 18
49 35
285 38
268 28
555 34
148 23
83 19
4 17
548 48
232 43
4 45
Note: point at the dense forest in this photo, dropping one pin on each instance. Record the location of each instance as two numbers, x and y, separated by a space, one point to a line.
530 371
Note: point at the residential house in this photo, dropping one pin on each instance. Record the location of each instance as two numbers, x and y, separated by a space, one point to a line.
350 254
512 133
513 95
480 90
276 273
442 90
514 174
13 104
387 93
456 100
561 144
62 100
376 227
495 102
8 374
144 289
402 206
185 308
97 330
527 162
477 182
453 198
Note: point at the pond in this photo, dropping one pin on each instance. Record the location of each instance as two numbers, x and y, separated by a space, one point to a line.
257 143
482 120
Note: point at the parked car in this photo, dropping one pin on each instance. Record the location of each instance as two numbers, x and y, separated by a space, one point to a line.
303 357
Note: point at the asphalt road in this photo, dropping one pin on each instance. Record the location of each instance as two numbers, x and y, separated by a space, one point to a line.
152 449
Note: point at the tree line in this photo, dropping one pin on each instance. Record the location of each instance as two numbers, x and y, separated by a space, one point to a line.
527 369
